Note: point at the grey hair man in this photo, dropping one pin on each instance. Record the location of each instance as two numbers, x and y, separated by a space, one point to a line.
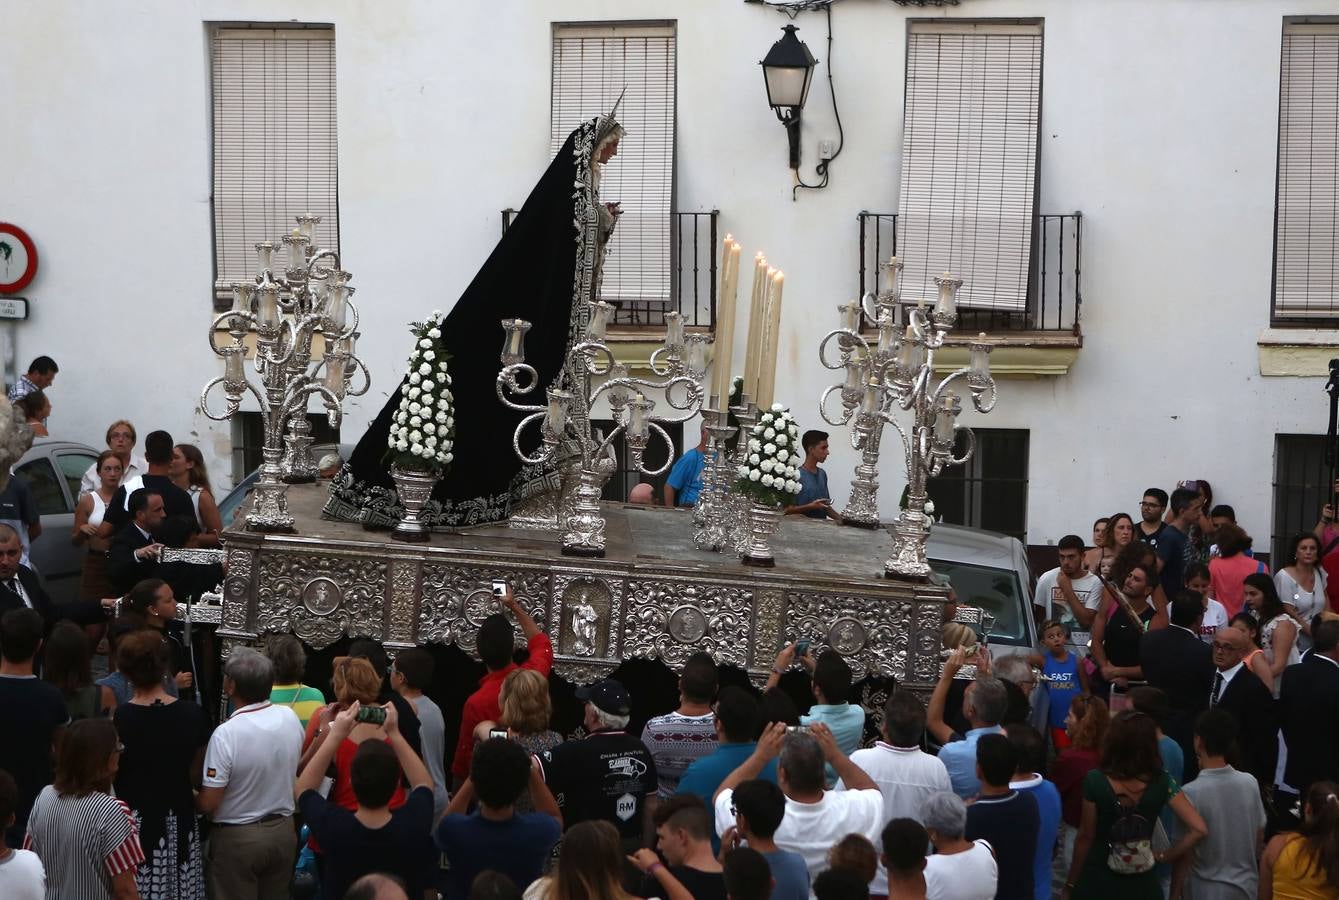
250 768
815 818
959 867
984 704
581 773
377 887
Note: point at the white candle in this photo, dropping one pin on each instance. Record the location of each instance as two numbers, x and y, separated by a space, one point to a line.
334 374
695 356
307 225
980 364
637 422
725 320
887 333
297 256
767 368
338 303
850 313
906 357
946 305
944 419
267 313
264 257
555 419
673 329
233 371
757 320
869 404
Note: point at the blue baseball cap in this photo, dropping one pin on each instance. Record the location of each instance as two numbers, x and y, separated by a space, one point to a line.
608 696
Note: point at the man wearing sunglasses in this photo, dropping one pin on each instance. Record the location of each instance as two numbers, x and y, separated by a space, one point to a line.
1238 691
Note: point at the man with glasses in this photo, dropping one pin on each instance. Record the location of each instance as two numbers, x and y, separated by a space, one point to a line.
1238 691
1151 508
121 439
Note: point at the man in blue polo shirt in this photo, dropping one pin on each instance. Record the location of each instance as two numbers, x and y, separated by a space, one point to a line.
737 714
983 705
685 479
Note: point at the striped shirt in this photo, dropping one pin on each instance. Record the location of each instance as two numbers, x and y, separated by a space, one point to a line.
84 842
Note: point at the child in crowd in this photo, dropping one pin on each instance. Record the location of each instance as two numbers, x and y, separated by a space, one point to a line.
1063 676
1215 615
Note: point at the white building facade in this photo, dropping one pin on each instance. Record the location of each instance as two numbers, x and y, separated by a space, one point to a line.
1159 122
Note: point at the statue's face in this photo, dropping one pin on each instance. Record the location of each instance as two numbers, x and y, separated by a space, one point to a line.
607 151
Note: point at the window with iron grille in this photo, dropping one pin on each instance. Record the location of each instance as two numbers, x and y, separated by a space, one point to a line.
592 65
1306 219
1302 481
990 490
969 160
625 478
274 142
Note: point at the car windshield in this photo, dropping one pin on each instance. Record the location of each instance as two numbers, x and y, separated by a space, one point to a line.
233 502
997 591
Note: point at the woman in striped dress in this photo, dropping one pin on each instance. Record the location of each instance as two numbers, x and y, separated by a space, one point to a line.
86 838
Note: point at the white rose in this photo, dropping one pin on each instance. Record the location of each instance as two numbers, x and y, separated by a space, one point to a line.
781 455
416 449
430 441
434 333
450 420
402 445
929 507
778 408
769 433
426 400
425 369
427 384
448 458
415 409
415 421
440 418
742 471
754 459
769 449
446 379
754 475
765 417
404 403
795 487
448 395
781 440
425 343
414 392
767 465
767 480
429 355
793 472
415 378
416 436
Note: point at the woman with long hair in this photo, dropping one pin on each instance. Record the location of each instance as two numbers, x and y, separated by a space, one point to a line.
1086 727
590 866
1092 557
67 663
187 471
1304 864
1123 617
86 838
1255 660
1122 798
36 408
1228 570
88 513
164 741
1301 584
526 711
152 604
1278 630
1118 535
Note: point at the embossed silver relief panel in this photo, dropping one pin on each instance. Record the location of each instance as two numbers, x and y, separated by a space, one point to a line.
873 634
584 617
455 600
293 590
671 620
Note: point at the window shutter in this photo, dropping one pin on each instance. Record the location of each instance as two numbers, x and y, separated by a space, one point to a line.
275 148
1305 243
969 160
592 64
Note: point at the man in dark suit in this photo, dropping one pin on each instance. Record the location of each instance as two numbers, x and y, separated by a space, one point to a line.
1309 710
1237 690
133 555
158 449
1177 662
19 585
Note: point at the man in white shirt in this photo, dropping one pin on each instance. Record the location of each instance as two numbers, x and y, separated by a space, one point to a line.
1069 593
121 439
959 869
250 768
815 818
906 775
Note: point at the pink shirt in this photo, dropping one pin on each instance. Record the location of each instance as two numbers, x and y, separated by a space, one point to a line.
1226 574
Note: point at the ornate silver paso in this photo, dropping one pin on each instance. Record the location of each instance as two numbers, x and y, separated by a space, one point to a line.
414 490
763 522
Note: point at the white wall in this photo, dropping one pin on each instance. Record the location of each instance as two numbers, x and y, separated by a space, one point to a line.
1159 123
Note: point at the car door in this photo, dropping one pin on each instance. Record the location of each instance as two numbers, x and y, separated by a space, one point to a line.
53 556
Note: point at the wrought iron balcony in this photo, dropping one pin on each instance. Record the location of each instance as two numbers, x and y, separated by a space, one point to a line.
1055 298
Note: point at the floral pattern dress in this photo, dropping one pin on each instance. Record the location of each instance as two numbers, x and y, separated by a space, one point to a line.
154 779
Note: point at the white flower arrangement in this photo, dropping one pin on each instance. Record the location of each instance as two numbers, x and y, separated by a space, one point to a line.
423 431
769 475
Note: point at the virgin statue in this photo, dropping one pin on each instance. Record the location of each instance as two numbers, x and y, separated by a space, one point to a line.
545 269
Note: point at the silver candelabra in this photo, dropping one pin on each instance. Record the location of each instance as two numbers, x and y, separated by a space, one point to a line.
897 372
678 366
312 295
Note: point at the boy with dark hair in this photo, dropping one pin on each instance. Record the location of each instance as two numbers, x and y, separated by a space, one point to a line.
840 884
495 836
759 809
411 674
679 738
34 710
736 723
373 838
1004 817
832 684
814 499
158 447
1069 593
21 874
496 645
904 843
683 837
1030 749
1062 675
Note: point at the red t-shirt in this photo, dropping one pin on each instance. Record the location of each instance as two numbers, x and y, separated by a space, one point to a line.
341 792
1067 774
482 705
1226 574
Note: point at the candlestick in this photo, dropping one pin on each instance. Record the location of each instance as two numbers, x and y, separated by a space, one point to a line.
767 373
674 329
725 320
264 257
756 324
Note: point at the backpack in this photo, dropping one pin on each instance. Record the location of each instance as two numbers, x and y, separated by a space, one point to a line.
1130 841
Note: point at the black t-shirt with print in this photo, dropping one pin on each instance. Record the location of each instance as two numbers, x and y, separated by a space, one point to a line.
607 776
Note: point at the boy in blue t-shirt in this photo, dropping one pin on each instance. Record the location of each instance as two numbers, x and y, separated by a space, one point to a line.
1063 675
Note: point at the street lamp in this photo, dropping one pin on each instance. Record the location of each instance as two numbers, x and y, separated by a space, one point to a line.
787 70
